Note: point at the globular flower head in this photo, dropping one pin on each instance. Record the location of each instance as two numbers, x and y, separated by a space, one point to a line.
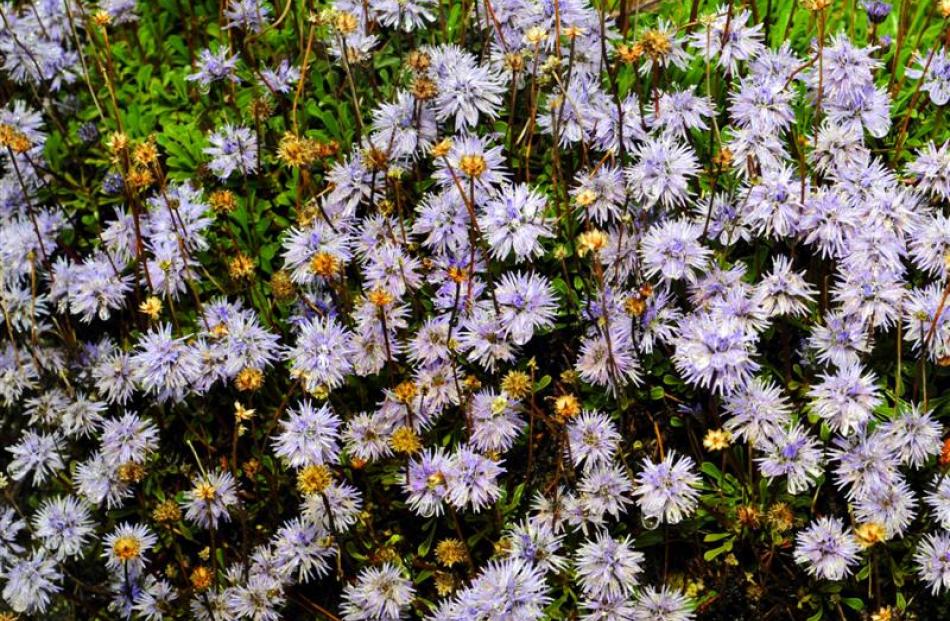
826 549
211 498
308 436
667 492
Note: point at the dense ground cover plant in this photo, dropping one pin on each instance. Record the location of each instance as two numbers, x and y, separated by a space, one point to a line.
492 309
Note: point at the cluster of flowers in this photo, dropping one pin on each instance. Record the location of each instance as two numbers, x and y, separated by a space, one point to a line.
508 214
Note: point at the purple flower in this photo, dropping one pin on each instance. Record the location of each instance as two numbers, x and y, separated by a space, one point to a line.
791 452
599 194
672 250
527 303
877 11
280 79
303 547
933 561
425 482
534 541
593 439
931 170
679 112
504 591
937 78
405 127
128 439
668 490
407 16
846 398
514 221
608 568
727 36
714 352
39 453
164 365
661 172
322 354
308 436
496 422
29 582
63 526
250 15
466 89
210 498
826 550
232 149
758 411
379 594
762 105
471 480
663 604
215 66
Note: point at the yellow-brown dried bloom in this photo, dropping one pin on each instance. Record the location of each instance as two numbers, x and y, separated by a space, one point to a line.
375 158
748 516
419 60
17 141
591 241
251 467
139 178
295 151
717 439
249 379
457 274
945 453
101 18
346 23
473 165
442 148
261 108
781 517
127 548
223 201
884 614
242 413
424 89
567 406
585 197
634 305
630 54
723 158
152 306
241 267
870 533
281 285
145 154
450 552
516 383
406 391
572 32
405 440
656 44
445 583
201 578
131 472
314 479
167 511
117 143
514 61
535 35
380 298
